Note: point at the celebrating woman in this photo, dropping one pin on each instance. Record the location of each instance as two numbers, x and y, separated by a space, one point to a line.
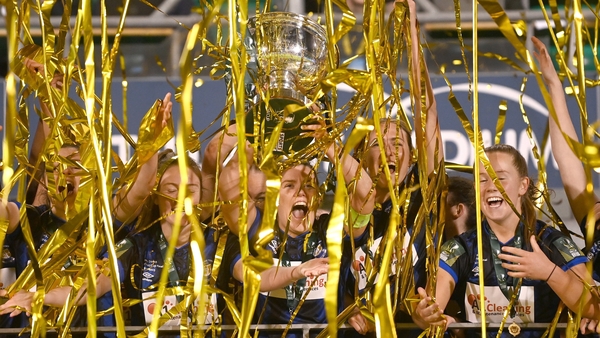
521 255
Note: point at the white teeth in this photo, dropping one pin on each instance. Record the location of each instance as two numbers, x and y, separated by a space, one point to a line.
300 204
494 199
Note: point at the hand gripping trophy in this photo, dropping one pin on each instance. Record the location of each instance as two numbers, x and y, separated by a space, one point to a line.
287 60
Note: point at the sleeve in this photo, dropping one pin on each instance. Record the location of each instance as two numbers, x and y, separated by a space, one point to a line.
565 253
253 232
231 255
582 227
120 228
125 254
358 241
453 258
232 252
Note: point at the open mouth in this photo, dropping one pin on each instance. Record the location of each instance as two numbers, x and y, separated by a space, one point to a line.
495 202
299 210
392 168
70 188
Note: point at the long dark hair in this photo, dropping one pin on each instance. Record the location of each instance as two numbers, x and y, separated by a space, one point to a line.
528 213
461 190
150 214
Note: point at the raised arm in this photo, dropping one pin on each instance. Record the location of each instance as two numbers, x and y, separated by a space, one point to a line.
129 199
35 191
570 167
229 182
360 184
431 133
217 151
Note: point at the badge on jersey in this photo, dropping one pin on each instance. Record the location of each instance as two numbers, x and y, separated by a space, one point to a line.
567 248
451 251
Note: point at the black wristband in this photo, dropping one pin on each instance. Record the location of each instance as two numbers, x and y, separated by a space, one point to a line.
550 275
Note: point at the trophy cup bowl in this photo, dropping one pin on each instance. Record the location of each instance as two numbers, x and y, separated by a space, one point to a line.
289 50
288 55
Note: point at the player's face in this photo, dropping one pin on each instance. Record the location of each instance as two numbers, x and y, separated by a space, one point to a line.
168 189
397 152
297 200
495 208
66 175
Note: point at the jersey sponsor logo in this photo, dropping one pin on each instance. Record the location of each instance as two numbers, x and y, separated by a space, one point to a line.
7 257
150 266
362 254
314 286
274 245
168 303
211 313
495 304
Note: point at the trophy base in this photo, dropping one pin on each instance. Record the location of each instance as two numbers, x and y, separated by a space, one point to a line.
265 118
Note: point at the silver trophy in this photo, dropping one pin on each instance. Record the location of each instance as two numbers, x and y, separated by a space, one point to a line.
287 59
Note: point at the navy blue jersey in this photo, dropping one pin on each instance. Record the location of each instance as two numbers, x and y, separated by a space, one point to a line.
140 266
537 302
368 251
276 307
43 223
231 254
15 256
224 280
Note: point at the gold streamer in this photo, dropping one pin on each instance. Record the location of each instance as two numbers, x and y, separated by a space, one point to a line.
335 229
501 120
479 153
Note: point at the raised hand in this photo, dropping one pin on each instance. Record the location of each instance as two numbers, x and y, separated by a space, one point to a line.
163 116
33 66
38 68
546 66
315 127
